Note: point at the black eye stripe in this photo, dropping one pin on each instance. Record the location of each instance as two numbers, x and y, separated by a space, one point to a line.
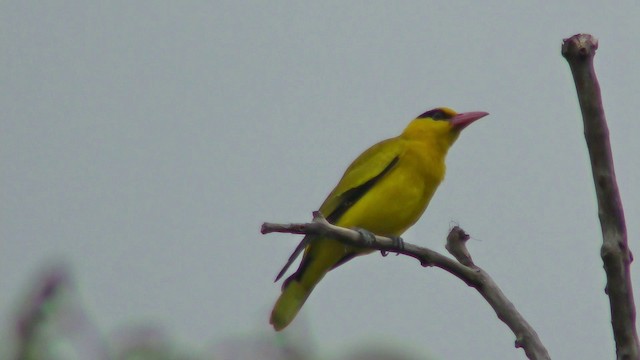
435 114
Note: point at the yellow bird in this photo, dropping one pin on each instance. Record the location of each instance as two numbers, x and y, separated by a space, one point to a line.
384 191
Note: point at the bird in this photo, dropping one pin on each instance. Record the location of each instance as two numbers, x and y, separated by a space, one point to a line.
384 191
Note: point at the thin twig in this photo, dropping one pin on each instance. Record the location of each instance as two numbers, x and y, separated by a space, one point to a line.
579 51
464 269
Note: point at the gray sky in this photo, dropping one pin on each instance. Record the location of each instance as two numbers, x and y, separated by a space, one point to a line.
145 142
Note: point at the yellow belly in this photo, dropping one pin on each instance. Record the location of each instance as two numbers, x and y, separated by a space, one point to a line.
392 205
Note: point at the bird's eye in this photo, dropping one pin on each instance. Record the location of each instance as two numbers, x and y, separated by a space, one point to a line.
435 114
439 115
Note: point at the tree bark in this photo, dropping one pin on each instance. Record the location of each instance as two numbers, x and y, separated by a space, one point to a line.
463 268
579 51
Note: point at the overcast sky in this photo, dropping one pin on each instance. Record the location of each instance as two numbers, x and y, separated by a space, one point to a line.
145 142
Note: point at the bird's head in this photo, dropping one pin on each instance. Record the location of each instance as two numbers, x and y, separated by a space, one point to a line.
441 125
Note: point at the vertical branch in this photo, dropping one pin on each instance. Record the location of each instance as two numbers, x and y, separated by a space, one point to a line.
579 51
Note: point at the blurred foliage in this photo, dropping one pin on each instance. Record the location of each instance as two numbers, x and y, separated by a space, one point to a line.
51 324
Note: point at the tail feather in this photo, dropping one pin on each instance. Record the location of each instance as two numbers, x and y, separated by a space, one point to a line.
316 262
303 244
296 289
289 303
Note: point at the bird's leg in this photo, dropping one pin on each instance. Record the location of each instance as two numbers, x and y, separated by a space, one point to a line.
398 243
368 237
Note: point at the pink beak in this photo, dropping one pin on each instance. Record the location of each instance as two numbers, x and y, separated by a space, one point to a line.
461 121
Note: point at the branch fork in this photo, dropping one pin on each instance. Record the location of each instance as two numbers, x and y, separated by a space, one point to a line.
462 267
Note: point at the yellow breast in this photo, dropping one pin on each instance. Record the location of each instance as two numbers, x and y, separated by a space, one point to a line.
400 198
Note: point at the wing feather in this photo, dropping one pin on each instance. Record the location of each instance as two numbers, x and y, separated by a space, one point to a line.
366 171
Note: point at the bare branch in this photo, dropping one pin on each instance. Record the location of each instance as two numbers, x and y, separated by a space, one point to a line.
579 51
457 246
464 269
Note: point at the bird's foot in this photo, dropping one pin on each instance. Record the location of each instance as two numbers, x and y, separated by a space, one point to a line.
367 236
369 239
397 242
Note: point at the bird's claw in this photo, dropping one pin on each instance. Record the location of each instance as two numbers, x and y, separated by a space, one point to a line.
397 242
367 236
369 239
